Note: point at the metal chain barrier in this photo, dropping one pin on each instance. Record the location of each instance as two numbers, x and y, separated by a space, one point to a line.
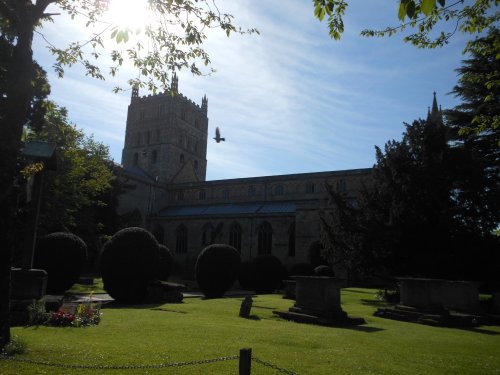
123 367
274 367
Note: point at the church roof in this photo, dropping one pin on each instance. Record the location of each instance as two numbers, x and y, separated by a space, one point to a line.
138 172
230 209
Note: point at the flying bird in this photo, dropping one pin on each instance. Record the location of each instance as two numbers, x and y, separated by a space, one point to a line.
218 138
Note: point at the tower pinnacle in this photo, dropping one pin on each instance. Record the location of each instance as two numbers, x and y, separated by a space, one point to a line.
135 92
204 104
175 83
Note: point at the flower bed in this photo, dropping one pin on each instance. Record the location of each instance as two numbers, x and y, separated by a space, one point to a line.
77 315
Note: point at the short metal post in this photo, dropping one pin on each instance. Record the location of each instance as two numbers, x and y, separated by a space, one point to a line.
245 361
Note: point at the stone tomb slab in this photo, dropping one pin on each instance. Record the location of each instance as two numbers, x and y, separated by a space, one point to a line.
436 302
318 302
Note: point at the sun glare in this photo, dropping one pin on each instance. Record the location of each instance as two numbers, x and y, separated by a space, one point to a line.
131 14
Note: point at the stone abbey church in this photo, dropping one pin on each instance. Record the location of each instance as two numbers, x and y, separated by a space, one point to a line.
164 174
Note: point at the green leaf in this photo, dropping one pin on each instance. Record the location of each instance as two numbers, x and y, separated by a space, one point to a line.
428 6
410 9
402 10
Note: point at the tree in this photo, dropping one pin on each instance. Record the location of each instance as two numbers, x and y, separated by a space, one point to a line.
423 16
477 119
77 192
175 43
425 213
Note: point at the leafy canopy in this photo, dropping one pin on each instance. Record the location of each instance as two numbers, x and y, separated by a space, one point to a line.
423 17
171 41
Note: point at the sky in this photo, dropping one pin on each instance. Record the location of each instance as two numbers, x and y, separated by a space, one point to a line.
290 100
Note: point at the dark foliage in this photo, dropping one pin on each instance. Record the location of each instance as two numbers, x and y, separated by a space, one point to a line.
244 276
324 271
63 256
129 262
166 263
217 269
427 212
301 269
316 257
266 273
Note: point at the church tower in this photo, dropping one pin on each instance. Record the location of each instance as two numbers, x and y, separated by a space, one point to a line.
166 136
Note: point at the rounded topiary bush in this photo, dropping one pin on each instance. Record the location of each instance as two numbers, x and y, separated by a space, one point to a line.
244 276
217 269
166 263
324 270
266 273
301 269
129 262
63 256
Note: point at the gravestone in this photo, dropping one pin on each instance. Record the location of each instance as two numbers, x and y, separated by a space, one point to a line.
246 306
435 302
496 301
318 302
290 288
462 296
422 294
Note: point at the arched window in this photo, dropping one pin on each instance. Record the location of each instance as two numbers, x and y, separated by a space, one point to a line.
136 159
291 240
310 187
341 186
225 194
180 195
235 236
202 195
181 158
251 191
265 238
278 190
154 157
207 234
181 239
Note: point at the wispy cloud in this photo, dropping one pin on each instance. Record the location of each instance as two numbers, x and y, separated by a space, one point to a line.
290 100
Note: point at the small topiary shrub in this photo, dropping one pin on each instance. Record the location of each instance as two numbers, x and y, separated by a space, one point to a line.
166 263
324 270
217 269
63 256
244 276
301 269
129 262
266 273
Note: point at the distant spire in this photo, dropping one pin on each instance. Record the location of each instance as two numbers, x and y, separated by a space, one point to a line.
435 114
204 103
435 109
175 83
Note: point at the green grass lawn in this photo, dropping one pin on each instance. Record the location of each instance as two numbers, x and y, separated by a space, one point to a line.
201 329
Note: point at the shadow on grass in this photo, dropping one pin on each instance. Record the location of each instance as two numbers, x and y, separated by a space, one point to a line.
354 290
363 328
149 306
376 303
480 330
168 310
253 317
